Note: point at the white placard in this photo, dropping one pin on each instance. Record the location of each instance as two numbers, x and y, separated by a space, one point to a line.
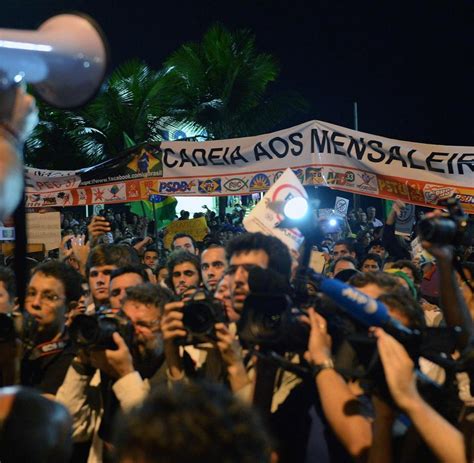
341 206
44 229
264 218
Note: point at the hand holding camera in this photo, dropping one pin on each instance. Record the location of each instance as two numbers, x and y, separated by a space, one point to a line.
98 227
115 363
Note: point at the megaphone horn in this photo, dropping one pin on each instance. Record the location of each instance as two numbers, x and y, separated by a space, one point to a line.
65 59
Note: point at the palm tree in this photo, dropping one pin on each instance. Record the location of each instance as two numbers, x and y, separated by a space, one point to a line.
223 83
63 140
130 110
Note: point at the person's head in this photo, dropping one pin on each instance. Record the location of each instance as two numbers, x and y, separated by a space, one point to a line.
254 249
151 258
343 248
52 289
363 217
377 247
184 272
121 279
143 305
370 213
344 263
7 290
223 294
410 269
192 423
162 274
33 428
371 263
185 242
403 306
213 265
102 260
374 284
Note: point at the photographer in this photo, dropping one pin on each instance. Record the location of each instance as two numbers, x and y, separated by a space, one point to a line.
101 381
442 437
53 288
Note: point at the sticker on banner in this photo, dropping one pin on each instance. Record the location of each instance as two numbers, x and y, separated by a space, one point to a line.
259 182
210 185
466 199
436 193
345 178
314 176
369 182
177 187
393 188
235 184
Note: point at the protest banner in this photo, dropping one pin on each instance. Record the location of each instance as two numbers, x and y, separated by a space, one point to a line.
319 154
265 216
197 228
44 228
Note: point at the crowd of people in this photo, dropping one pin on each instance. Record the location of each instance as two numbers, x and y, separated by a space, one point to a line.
230 350
110 329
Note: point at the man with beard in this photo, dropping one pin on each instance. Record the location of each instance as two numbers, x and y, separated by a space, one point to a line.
100 382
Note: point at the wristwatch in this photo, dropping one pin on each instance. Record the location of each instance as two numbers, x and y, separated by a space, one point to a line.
319 367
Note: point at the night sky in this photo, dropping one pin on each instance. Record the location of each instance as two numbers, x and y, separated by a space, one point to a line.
408 64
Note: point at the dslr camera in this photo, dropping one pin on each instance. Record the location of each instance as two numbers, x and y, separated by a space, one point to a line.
452 228
18 325
271 318
200 314
95 332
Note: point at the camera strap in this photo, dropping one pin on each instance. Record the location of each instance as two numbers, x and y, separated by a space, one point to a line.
47 349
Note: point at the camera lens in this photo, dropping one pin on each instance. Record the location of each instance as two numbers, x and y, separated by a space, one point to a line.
439 230
84 330
198 318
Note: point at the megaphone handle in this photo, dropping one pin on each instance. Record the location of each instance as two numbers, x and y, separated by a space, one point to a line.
18 113
8 96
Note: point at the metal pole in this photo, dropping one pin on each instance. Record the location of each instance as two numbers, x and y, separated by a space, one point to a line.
355 197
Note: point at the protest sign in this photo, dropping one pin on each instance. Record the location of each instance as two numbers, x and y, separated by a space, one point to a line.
341 206
268 213
44 229
405 220
197 228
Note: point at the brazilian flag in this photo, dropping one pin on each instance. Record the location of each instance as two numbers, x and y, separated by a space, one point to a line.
165 210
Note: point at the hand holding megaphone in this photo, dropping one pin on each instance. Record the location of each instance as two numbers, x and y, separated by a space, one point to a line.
18 113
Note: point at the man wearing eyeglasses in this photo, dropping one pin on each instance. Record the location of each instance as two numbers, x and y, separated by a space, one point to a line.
126 374
54 287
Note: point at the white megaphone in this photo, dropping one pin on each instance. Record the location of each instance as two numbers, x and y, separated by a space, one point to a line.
65 59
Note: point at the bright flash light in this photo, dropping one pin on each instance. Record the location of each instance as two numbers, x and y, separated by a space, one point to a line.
332 222
296 208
